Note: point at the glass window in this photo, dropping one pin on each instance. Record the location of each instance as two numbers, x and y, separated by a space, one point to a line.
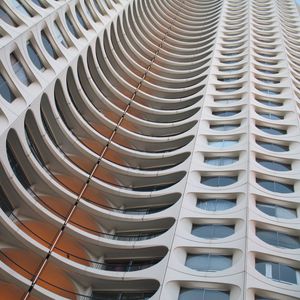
224 127
34 57
39 3
5 204
227 113
20 7
17 169
212 231
273 147
277 211
80 18
208 262
222 143
215 204
48 46
271 130
59 36
117 295
271 116
220 161
19 70
71 26
89 11
6 17
274 165
202 294
5 90
218 181
269 92
276 187
270 103
267 71
278 239
277 271
226 101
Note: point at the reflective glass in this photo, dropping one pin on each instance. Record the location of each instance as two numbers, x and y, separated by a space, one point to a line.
271 130
278 239
48 46
202 294
222 143
71 26
215 204
212 231
273 147
218 181
277 211
225 113
220 161
34 57
271 116
224 127
20 7
5 90
7 18
270 103
208 262
19 70
276 187
59 36
80 18
274 165
39 3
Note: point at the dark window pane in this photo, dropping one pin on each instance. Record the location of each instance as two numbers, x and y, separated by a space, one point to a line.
34 57
48 46
5 204
287 274
5 90
276 187
225 113
59 35
273 147
202 294
273 165
208 262
19 70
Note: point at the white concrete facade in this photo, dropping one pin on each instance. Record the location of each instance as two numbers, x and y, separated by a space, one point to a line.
149 149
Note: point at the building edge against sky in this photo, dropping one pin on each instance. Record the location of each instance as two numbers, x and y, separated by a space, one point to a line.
149 149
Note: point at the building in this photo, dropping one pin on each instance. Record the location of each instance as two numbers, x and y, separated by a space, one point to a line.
149 149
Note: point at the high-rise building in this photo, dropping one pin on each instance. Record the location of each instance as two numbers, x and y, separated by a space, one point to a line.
150 149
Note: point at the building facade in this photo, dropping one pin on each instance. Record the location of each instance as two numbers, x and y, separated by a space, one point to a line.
150 149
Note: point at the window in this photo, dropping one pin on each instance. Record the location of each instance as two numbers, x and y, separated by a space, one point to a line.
224 127
59 36
271 116
274 165
5 204
270 103
5 90
227 113
212 231
277 211
80 18
71 26
220 161
278 271
39 3
17 169
222 143
34 57
278 239
218 181
267 71
19 70
273 147
20 7
202 294
269 92
215 204
272 130
48 46
226 101
208 262
6 17
276 187
116 295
